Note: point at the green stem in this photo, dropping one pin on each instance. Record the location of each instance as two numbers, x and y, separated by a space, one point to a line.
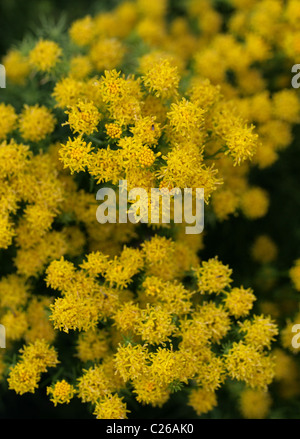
212 156
98 141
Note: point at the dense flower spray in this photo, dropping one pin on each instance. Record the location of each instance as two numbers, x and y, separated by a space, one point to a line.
133 95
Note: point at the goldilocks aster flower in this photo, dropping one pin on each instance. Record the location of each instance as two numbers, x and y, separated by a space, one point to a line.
45 55
61 392
139 96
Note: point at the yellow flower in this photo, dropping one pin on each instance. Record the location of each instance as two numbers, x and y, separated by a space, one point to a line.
245 363
287 334
224 203
264 250
265 155
259 332
15 323
68 91
261 107
162 79
131 361
255 203
210 375
80 67
36 122
40 354
82 31
213 276
96 263
38 217
75 154
111 407
242 143
185 169
286 106
174 297
147 157
93 384
60 274
127 317
292 13
121 269
185 118
156 325
107 54
13 158
155 9
215 318
146 130
92 345
255 404
83 118
152 32
71 312
8 119
185 102
202 401
239 301
286 368
39 325
23 378
35 359
113 130
148 391
122 96
276 132
295 274
17 67
169 366
14 291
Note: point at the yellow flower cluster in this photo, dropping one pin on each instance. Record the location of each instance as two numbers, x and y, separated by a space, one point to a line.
255 404
36 123
159 104
45 55
61 392
295 274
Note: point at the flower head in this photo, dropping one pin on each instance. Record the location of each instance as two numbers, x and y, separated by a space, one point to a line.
45 55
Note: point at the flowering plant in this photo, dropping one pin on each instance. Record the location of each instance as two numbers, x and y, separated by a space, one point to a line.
151 317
